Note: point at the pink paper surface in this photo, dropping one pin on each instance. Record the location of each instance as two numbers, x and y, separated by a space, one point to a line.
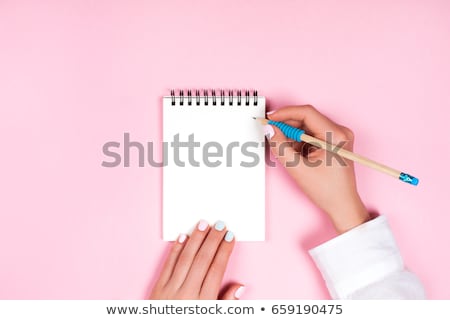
77 74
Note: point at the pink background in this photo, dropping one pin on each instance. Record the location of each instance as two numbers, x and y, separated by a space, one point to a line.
76 74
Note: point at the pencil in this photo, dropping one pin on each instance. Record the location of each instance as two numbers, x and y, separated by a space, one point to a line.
300 135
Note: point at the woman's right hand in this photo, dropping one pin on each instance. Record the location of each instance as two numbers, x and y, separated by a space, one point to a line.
326 178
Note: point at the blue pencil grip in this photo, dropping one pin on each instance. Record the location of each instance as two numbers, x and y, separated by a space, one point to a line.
288 131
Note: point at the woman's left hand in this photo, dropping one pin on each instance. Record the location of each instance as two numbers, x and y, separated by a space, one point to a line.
195 266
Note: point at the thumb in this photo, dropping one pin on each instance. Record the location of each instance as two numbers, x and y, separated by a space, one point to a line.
280 146
233 292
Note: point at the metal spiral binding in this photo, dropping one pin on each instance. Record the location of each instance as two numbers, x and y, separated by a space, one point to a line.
211 96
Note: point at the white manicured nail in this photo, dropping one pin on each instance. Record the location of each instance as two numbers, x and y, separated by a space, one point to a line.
182 238
238 293
229 236
268 131
202 225
219 226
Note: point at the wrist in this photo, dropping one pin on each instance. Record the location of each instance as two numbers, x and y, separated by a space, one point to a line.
350 216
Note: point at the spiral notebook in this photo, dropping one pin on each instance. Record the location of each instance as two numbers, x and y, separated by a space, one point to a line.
215 166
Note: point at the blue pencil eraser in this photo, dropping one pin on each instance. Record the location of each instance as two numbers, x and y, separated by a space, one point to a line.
408 179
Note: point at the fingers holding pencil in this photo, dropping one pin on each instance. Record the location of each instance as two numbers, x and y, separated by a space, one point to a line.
314 123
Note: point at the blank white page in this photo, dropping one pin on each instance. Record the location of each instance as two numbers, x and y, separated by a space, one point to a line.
234 189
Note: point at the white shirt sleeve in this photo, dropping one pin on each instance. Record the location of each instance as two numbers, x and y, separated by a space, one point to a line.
365 263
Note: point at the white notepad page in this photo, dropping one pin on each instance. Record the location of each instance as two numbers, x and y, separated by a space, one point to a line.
234 190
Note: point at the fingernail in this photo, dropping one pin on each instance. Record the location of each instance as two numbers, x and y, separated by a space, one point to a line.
202 225
229 236
219 226
270 112
238 293
182 238
268 131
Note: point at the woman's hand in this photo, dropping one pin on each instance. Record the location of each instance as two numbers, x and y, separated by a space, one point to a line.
326 178
195 266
